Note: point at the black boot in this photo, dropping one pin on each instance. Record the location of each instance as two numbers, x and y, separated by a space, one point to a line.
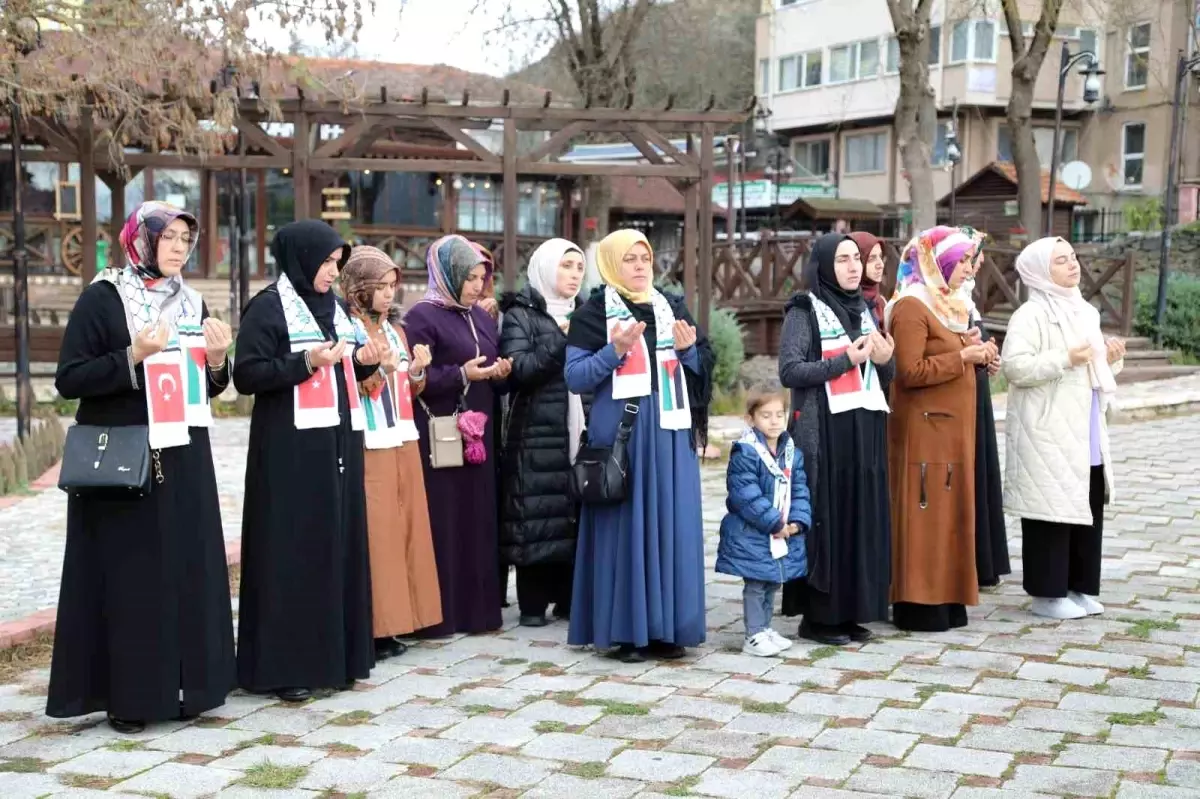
823 634
294 694
857 633
126 726
387 648
533 621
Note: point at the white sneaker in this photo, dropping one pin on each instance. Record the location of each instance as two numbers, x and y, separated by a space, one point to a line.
760 645
1058 608
1088 603
784 644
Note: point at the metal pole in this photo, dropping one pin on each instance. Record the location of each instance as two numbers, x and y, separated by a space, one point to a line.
745 142
1063 70
21 281
953 190
243 240
1164 246
730 209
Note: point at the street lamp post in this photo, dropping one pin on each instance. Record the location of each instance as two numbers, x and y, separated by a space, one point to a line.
27 35
762 132
954 156
1170 206
1091 93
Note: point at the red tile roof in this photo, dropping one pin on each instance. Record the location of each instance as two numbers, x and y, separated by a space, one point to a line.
1062 193
649 196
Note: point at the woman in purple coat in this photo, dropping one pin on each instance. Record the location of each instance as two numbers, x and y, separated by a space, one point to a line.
465 375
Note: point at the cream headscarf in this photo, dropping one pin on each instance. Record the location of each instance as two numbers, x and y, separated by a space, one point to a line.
611 251
543 276
1079 320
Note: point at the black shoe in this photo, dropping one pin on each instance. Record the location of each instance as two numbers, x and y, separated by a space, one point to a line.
829 636
126 726
858 634
184 715
628 653
348 685
533 621
664 651
562 612
387 648
294 694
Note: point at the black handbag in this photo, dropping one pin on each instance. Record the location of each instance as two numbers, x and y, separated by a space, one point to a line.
600 475
112 462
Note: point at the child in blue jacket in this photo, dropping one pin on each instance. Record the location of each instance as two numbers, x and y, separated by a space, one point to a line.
762 536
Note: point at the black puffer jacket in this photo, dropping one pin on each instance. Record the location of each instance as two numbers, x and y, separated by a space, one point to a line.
538 516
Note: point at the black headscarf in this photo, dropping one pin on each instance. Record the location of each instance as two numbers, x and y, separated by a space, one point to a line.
821 278
299 249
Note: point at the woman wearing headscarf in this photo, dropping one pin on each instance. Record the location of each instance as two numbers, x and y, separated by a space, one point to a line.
838 365
144 628
991 535
462 381
870 250
639 566
404 595
304 619
931 435
539 517
1061 375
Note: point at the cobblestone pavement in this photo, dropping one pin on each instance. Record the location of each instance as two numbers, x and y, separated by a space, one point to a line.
1011 707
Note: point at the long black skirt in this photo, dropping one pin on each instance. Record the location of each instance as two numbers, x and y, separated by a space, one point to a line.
991 537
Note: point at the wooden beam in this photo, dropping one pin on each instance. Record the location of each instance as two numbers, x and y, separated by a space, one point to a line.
301 163
47 132
608 170
456 133
554 145
179 161
510 205
663 143
116 185
87 192
258 137
29 154
705 278
348 139
346 164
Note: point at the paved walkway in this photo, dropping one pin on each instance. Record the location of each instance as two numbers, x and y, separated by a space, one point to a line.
1012 707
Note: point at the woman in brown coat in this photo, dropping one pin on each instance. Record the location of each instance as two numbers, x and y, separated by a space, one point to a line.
931 435
404 583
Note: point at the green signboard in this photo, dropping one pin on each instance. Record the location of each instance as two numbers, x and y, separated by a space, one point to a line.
762 193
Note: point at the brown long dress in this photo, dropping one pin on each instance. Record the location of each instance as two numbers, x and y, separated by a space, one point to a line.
931 460
404 582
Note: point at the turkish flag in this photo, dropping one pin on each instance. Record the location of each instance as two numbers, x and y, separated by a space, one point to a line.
847 382
164 383
351 386
404 397
635 360
318 391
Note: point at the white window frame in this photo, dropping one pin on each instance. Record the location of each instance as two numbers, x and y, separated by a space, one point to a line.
802 144
935 40
802 83
972 41
1098 37
935 51
854 49
764 76
882 170
851 63
1132 52
1126 157
889 44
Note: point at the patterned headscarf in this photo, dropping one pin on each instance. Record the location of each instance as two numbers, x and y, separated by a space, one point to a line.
609 254
364 272
450 260
144 227
925 269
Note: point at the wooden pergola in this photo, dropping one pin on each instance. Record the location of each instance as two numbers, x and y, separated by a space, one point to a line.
313 163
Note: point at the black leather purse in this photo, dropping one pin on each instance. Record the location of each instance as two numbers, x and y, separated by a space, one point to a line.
600 475
110 462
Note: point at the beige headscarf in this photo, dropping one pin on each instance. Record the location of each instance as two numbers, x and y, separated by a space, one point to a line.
609 254
1079 320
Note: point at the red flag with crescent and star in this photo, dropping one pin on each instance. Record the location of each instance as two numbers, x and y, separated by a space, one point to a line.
165 385
318 391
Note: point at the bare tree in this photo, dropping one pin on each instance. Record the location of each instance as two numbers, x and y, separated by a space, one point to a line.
916 111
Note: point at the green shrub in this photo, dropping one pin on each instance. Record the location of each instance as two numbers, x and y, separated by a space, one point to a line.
1145 215
725 336
1181 323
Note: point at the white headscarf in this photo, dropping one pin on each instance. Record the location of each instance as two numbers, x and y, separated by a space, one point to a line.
1079 320
543 278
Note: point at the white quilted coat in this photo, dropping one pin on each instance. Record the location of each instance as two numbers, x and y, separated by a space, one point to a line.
1048 456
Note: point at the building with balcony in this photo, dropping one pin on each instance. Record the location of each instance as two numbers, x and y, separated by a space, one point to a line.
828 72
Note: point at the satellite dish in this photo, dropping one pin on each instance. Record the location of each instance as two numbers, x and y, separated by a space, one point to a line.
1076 175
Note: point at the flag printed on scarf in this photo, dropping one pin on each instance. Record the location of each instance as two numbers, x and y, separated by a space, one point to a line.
388 408
858 387
847 382
633 378
195 363
166 398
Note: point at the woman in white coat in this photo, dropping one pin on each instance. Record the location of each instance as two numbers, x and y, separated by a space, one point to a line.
1058 477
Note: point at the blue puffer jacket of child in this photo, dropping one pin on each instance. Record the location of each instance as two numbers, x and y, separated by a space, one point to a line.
745 548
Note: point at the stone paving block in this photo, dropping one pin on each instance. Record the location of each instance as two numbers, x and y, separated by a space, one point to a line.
1053 672
540 682
970 704
403 787
1075 721
989 661
491 730
780 725
228 793
1141 790
27 786
867 742
1102 703
1156 736
958 760
51 748
736 664
434 752
503 770
277 755
573 748
967 792
558 786
936 675
814 704
1153 689
503 698
734 784
283 721
475 669
903 782
800 675
360 736
238 705
819 792
1097 657
627 692
1181 716
1056 779
1112 758
1185 773
1009 739
429 717
939 724
676 677
639 764
348 775
696 708
549 710
179 781
719 743
739 688
857 661
882 689
1019 689
904 648
203 741
638 728
107 763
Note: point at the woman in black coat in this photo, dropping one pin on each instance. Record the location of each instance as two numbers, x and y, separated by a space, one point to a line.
538 515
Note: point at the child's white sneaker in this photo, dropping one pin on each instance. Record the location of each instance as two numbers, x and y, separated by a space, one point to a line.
1057 608
1089 604
760 645
784 644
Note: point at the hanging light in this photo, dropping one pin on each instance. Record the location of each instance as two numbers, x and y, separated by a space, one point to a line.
457 184
487 184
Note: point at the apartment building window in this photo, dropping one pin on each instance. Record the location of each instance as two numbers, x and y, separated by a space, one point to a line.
973 40
1133 152
1043 142
866 153
812 155
854 61
1137 56
764 76
1089 42
891 63
799 71
935 45
812 68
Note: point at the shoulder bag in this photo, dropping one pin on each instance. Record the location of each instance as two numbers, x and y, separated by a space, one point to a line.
111 462
600 475
445 439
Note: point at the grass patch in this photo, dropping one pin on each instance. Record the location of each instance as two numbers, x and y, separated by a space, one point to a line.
12 715
23 765
269 775
682 787
1138 671
90 781
1143 719
352 719
822 652
341 748
550 726
478 710
587 771
511 661
21 658
1141 628
620 708
542 665
126 746
764 707
926 691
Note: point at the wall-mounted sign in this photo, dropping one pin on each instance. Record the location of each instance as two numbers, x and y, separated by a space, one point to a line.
333 204
66 200
762 193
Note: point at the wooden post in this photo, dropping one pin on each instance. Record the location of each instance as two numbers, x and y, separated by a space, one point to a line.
730 206
1127 292
301 182
691 199
260 221
706 224
87 193
510 204
116 187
